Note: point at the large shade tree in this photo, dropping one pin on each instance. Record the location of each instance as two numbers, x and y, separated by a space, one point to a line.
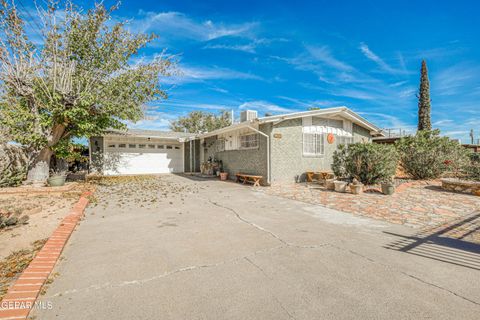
78 82
199 121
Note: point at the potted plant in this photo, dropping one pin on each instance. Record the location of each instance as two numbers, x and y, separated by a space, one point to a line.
57 179
329 184
388 187
340 185
223 175
356 187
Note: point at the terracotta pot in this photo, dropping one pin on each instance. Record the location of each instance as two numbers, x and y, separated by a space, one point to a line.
329 185
340 186
356 188
388 188
223 176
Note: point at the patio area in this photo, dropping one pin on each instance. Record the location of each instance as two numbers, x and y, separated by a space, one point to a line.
419 204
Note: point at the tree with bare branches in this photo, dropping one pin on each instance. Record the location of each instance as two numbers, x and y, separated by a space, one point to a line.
79 82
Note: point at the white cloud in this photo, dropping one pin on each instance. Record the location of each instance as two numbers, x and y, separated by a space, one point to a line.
311 103
178 25
380 62
455 79
324 55
190 74
250 47
263 106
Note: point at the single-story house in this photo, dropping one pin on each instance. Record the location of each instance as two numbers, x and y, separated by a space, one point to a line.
280 148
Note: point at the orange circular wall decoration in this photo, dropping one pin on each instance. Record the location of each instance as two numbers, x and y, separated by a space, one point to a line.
330 138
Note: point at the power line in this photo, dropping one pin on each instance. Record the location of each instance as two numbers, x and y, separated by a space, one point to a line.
38 27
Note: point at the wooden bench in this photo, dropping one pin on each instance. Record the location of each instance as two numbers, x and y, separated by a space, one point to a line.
319 177
248 178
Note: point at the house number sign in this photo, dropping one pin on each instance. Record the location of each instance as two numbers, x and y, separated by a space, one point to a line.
277 135
330 138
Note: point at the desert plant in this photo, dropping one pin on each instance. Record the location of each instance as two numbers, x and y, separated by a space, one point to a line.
427 155
424 122
339 162
13 165
368 163
472 169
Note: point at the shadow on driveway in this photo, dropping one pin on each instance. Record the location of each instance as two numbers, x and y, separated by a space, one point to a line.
446 243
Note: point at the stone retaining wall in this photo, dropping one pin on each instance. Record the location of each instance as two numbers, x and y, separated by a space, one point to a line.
463 186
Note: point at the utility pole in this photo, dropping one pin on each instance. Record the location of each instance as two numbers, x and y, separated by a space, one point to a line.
233 117
472 136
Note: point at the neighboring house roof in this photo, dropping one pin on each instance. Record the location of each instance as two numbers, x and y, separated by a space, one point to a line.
337 111
170 135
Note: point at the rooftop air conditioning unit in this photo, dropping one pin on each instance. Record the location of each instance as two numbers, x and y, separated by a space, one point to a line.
248 115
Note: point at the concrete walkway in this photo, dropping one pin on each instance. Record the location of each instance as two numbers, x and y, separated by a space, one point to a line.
180 248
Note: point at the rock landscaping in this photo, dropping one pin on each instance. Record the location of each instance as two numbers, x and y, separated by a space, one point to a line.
463 186
417 204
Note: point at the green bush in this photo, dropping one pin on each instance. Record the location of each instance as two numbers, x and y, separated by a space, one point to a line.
472 169
369 163
428 156
13 165
339 162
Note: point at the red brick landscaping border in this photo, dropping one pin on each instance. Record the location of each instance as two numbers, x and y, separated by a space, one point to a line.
21 296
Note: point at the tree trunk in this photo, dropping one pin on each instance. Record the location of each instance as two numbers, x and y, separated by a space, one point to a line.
38 171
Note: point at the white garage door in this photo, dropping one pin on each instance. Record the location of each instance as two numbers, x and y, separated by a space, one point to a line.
143 158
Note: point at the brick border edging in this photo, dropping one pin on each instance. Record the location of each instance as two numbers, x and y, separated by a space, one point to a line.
21 296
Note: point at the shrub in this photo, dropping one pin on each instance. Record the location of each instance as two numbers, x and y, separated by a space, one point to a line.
13 165
339 162
369 163
428 156
472 169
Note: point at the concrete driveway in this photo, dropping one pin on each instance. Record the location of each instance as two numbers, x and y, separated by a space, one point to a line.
174 247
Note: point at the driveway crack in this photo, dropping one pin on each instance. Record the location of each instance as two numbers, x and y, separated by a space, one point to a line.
258 227
387 266
273 295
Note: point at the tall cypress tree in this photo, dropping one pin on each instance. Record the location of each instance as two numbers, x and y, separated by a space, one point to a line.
424 122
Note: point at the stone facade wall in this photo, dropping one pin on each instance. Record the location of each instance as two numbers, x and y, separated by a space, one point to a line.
360 134
288 162
471 187
249 161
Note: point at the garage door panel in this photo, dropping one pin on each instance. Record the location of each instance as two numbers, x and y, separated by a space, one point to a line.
167 161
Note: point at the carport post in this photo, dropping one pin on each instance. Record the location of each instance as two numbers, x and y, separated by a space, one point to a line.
268 151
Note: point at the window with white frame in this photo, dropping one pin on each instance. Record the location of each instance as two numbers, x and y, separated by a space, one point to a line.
344 140
313 144
249 141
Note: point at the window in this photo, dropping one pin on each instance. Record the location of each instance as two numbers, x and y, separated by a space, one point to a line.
132 146
111 145
141 146
169 147
151 146
220 146
161 146
249 141
344 140
122 145
313 144
177 147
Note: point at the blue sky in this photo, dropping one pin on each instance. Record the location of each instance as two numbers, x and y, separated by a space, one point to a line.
276 57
